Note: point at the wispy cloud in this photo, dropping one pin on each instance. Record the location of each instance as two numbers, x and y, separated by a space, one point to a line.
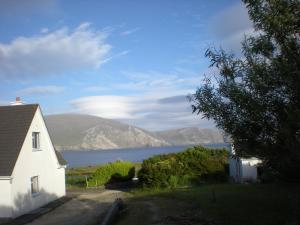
44 30
231 25
41 90
148 112
16 7
115 56
153 83
54 52
129 32
153 100
95 88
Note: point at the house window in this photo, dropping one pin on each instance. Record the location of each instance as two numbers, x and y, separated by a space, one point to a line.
34 185
35 140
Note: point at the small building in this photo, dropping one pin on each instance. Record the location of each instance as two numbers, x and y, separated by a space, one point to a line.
243 170
32 172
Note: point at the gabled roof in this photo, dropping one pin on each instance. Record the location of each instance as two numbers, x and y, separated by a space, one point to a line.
14 125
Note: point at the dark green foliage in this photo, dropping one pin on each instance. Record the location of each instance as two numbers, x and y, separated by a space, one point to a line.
256 98
184 168
112 172
78 181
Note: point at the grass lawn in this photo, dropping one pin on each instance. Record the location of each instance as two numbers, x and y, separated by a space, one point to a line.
224 204
76 177
87 170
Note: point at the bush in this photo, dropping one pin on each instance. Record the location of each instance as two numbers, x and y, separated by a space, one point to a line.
78 181
185 168
112 172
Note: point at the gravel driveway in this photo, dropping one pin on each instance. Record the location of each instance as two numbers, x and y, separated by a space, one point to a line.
86 208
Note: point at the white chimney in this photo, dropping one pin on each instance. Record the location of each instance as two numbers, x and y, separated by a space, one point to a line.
17 102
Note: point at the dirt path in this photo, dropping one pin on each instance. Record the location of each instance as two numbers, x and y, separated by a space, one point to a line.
87 208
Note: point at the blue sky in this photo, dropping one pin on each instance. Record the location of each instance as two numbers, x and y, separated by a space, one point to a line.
134 61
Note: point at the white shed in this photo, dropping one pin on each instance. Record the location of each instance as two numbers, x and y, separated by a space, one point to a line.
32 172
243 169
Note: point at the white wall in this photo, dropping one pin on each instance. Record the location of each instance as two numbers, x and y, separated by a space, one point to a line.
5 198
42 163
242 170
235 169
249 167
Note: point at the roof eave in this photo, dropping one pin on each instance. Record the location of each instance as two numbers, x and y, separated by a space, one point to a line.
6 177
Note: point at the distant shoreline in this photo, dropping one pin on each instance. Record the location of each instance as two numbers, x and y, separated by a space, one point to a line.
97 157
145 147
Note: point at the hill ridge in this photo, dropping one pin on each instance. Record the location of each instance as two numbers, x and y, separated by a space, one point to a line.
73 131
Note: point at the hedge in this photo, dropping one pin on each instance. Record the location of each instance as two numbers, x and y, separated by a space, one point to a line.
196 164
112 172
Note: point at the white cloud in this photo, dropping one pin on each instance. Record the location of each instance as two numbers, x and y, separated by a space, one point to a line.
129 32
154 100
157 84
231 20
115 56
44 30
54 52
148 112
231 25
95 88
41 90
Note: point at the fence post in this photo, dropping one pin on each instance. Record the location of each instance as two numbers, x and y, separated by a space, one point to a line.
86 181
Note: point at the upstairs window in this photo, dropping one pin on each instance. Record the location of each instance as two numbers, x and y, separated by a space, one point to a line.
35 140
34 185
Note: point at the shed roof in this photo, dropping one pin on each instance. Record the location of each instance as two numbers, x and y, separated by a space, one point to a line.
14 125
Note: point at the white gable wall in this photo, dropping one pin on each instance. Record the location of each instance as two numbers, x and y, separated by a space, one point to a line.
42 163
5 197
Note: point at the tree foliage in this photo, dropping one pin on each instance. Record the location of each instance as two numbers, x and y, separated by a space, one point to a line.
184 168
256 98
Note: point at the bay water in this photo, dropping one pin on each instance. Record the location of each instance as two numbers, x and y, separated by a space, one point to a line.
98 157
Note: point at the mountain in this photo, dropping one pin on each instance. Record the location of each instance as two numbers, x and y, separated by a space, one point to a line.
191 136
78 132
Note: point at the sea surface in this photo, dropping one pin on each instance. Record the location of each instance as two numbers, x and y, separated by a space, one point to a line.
98 157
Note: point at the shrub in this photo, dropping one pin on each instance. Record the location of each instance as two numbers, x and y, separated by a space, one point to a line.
77 180
112 172
185 168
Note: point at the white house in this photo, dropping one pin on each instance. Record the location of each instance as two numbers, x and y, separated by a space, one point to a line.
32 172
242 169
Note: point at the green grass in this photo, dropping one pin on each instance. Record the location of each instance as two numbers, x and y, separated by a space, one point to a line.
223 204
76 177
87 170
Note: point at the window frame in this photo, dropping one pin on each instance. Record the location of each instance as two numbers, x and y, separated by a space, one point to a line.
34 185
36 141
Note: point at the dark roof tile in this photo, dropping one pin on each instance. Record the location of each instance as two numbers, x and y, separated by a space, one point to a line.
14 125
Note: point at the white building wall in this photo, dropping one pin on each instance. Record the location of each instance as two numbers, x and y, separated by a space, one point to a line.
42 163
5 198
242 169
249 167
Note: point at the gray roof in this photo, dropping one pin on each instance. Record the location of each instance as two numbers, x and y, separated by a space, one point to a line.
14 125
60 158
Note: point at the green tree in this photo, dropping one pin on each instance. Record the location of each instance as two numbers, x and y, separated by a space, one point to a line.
256 98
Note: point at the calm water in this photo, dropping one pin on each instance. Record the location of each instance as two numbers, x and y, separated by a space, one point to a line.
85 158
